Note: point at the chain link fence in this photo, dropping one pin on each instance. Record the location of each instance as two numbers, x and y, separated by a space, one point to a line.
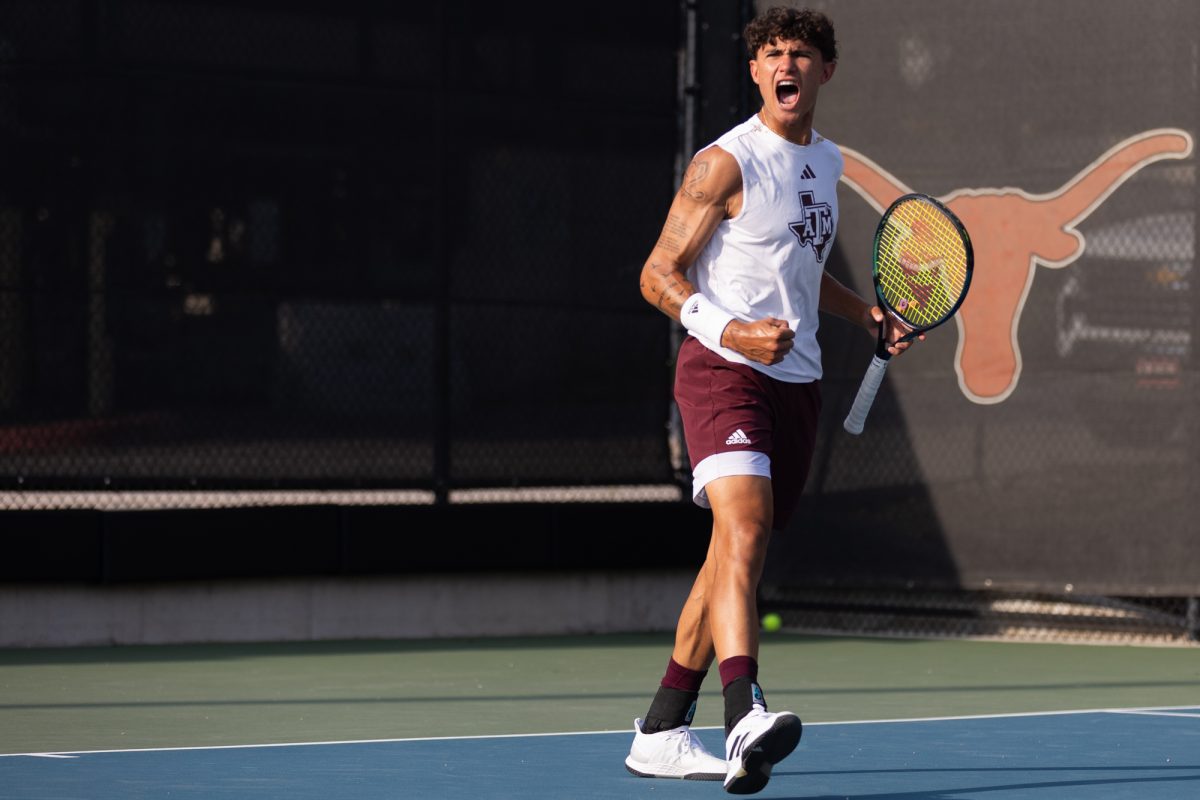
350 251
1007 615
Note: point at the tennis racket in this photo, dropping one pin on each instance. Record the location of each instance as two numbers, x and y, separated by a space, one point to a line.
921 266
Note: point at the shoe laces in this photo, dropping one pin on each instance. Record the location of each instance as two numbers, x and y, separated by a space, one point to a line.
683 740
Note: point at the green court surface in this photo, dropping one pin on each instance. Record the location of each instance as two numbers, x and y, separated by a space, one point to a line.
62 700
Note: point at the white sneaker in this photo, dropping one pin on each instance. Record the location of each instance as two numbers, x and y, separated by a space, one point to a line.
758 742
675 753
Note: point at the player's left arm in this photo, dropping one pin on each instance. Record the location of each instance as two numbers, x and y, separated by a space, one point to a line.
842 301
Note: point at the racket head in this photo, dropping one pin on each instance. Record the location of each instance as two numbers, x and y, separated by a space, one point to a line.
922 262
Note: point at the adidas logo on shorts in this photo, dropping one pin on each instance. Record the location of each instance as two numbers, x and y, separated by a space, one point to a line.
738 437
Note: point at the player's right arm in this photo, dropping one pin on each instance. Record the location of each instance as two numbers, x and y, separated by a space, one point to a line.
711 191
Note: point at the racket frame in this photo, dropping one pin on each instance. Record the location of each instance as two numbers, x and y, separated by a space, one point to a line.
873 378
881 347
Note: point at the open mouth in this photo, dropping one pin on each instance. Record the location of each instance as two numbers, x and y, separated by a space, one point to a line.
786 92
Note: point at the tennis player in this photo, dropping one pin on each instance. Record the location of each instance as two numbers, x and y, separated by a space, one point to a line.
741 264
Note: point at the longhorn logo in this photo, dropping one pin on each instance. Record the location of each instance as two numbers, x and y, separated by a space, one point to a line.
1013 232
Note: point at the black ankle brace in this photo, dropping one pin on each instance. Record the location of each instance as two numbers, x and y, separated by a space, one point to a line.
670 709
741 695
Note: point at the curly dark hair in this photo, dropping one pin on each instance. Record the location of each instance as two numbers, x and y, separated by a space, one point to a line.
787 24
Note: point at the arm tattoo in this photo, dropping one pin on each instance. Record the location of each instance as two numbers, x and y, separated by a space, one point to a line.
672 293
674 233
675 291
697 171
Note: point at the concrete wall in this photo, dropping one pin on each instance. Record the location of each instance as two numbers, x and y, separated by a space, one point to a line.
309 609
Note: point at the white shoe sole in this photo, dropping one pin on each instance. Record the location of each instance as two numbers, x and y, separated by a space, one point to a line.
760 756
640 770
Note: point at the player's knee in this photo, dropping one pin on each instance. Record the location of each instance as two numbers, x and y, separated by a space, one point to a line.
745 547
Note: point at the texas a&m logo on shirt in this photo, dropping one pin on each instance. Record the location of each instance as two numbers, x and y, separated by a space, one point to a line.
815 227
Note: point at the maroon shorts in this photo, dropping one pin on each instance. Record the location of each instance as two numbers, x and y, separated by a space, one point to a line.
738 421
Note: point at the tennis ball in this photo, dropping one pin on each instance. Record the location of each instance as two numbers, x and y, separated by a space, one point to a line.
772 622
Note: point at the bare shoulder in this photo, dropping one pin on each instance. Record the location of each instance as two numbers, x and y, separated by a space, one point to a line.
713 177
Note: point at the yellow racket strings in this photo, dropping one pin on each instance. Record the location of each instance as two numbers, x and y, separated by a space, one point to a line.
921 263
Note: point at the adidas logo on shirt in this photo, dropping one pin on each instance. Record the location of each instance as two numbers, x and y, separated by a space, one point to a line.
738 437
808 174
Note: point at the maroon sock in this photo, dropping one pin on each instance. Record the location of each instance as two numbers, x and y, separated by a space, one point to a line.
680 677
736 667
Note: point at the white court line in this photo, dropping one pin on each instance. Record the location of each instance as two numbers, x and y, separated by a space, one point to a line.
1166 713
1152 711
74 753
48 755
1162 711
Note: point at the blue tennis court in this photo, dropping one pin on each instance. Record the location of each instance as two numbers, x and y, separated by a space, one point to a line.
1113 754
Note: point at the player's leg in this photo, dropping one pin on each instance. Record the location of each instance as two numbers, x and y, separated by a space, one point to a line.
674 704
722 601
741 506
756 739
693 635
663 745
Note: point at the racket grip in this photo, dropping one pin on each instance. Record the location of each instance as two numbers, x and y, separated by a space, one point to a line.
866 395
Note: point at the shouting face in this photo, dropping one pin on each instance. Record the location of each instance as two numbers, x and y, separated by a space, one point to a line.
789 75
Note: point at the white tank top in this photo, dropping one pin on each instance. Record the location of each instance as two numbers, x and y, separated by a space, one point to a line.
768 260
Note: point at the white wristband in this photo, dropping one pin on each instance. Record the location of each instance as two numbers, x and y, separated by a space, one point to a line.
704 318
